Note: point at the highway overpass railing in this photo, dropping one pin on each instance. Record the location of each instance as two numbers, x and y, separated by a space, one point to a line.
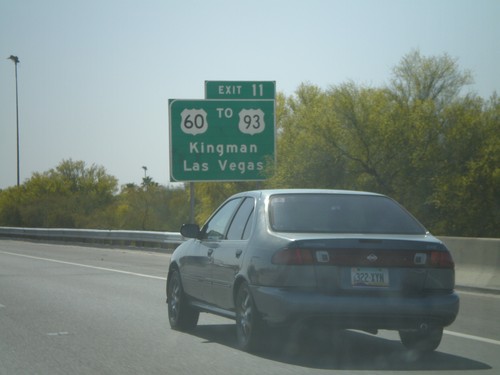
477 260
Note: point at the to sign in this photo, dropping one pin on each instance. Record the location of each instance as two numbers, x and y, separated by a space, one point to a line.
221 140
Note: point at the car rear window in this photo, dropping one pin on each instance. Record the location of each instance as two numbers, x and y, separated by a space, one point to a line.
340 213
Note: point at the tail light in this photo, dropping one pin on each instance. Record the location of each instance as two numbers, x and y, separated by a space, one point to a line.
441 259
365 258
293 257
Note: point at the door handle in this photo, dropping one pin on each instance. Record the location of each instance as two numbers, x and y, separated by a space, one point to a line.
238 253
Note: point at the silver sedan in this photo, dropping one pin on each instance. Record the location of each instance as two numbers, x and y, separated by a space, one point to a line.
288 258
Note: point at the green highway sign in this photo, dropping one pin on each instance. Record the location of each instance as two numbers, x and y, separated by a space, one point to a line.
240 89
221 140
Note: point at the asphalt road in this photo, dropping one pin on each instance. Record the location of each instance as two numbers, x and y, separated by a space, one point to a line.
82 310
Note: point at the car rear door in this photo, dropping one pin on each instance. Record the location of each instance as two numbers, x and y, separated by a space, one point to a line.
227 257
212 239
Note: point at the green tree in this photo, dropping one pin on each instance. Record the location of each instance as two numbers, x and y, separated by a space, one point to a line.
10 207
150 207
467 182
421 78
69 196
418 141
367 136
305 158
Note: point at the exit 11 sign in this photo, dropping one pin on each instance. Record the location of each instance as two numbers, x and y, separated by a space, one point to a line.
240 89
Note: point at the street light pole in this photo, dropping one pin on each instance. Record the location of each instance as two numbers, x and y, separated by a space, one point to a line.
15 59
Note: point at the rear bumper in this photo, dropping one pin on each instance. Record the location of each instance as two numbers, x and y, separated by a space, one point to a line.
283 306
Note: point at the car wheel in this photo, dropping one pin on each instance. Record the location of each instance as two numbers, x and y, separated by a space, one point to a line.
424 341
248 322
181 316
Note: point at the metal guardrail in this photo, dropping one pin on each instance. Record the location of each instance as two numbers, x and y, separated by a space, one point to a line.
168 240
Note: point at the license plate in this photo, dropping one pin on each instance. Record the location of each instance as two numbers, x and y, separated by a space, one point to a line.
378 277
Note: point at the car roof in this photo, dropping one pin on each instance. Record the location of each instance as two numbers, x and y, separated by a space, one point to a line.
269 192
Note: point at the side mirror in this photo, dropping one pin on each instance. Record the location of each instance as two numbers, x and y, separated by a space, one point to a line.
190 230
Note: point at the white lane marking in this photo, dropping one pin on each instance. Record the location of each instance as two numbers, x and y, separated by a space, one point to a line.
478 294
87 266
472 337
58 333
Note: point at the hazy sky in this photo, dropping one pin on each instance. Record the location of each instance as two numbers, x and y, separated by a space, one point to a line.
95 76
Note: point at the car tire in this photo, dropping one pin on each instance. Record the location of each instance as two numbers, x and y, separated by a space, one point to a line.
181 315
249 326
423 341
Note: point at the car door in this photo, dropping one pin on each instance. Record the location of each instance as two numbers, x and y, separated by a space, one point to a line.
227 257
195 270
213 235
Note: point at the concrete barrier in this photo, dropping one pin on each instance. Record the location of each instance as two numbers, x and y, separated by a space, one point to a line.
477 261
